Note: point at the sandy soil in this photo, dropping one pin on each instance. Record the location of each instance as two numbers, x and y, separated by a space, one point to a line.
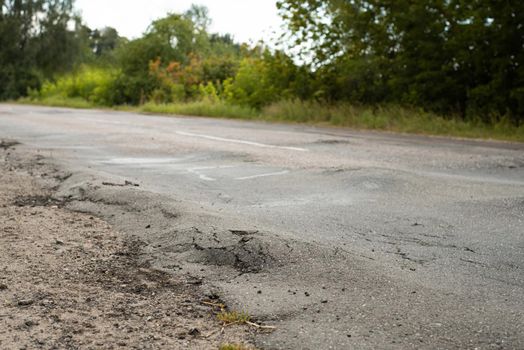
69 281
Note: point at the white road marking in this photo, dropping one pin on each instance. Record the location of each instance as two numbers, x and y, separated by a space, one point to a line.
196 171
250 143
263 175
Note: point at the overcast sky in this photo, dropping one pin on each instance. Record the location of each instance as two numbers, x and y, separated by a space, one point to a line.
245 19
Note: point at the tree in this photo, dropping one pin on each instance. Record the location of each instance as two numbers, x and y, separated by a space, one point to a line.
445 55
264 77
175 51
36 41
104 41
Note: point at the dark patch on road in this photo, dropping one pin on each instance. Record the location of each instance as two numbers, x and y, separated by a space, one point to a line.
6 144
246 256
126 183
333 171
333 142
243 232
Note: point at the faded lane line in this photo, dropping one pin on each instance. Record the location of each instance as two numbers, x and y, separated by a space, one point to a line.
263 175
201 176
250 143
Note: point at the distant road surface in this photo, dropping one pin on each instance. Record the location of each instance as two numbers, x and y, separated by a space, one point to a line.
365 239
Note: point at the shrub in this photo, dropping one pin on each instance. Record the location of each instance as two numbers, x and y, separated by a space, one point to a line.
95 85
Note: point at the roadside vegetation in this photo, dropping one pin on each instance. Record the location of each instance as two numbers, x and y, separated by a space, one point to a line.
233 317
434 67
235 347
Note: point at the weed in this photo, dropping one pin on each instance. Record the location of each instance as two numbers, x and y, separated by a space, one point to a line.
203 108
235 347
230 317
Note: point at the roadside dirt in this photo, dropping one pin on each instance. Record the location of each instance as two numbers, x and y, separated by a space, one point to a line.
69 281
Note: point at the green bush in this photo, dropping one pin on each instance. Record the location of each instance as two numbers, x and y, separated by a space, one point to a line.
94 85
250 86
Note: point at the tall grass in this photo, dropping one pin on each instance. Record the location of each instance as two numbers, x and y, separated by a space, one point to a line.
202 108
390 118
57 101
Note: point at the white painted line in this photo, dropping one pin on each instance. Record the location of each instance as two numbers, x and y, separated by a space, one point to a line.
202 176
196 171
212 167
250 143
263 175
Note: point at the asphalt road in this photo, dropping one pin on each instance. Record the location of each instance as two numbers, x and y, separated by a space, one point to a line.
342 239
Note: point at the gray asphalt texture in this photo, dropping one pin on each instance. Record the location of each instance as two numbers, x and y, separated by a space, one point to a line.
341 239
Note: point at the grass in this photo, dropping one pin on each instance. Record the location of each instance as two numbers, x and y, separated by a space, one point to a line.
233 317
58 101
234 347
202 108
390 118
386 118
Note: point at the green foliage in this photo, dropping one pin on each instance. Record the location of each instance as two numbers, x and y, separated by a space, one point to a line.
35 42
464 57
57 101
250 86
235 347
265 78
229 317
94 85
390 118
202 108
208 92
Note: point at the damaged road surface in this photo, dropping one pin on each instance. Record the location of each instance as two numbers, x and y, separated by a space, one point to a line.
339 239
70 281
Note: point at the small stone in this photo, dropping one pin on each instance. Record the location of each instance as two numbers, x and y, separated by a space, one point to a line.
194 332
306 294
3 286
59 241
30 323
324 301
25 302
259 292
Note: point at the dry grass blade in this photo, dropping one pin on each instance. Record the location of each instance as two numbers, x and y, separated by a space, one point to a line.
260 326
219 305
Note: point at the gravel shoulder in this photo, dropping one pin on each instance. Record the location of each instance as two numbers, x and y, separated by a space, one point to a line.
68 280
